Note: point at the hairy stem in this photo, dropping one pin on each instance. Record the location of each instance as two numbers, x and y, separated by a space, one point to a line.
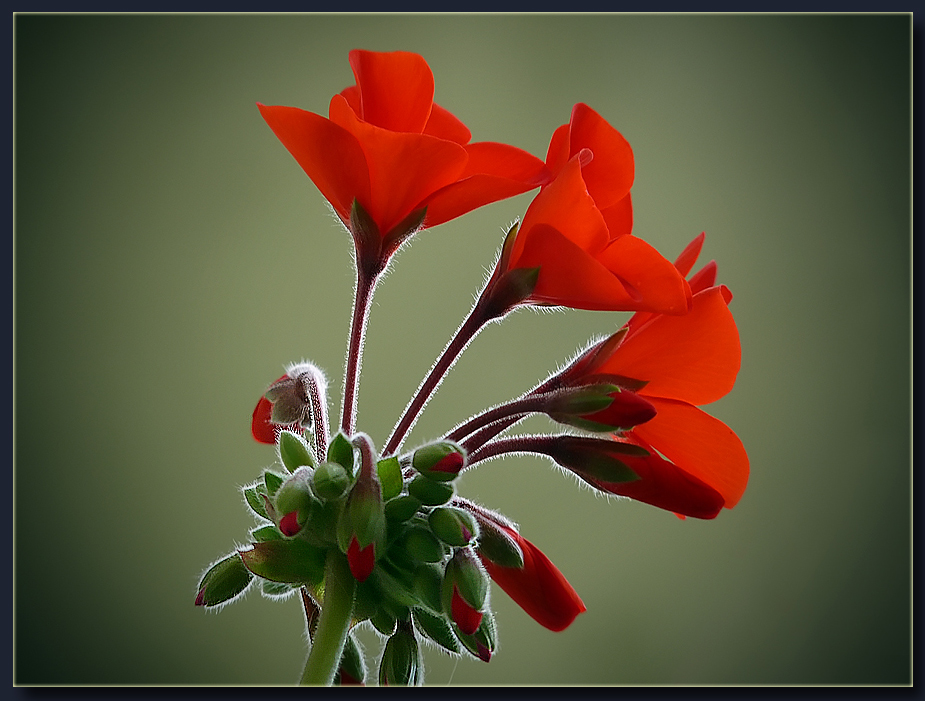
333 624
366 283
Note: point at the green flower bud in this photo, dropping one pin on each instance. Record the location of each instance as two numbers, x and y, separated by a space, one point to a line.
330 480
390 477
340 450
453 526
383 621
402 508
294 451
352 667
428 583
295 497
224 581
429 492
465 574
498 546
401 663
483 642
440 461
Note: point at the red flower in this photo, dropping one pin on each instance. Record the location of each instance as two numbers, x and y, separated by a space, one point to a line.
697 465
361 560
577 230
539 588
388 146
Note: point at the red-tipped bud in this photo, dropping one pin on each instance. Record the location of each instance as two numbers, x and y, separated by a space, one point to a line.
361 560
441 461
453 526
601 407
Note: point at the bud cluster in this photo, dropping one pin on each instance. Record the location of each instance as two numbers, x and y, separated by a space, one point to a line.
409 541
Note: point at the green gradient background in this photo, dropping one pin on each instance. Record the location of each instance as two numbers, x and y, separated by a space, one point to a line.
171 257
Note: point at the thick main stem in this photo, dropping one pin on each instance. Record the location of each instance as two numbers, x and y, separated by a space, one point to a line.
333 624
366 283
467 331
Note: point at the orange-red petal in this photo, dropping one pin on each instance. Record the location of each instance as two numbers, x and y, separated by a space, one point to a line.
619 218
261 428
445 125
404 169
609 176
539 588
654 280
565 205
694 357
396 89
701 445
689 255
328 154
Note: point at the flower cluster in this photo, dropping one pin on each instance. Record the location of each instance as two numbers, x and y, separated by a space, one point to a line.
382 537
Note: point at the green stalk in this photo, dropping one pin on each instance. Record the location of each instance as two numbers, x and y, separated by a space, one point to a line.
333 624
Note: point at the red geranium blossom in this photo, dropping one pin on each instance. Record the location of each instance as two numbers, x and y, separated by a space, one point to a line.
576 232
389 147
697 465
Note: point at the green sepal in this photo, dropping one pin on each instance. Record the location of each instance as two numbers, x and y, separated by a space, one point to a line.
396 585
276 590
437 628
390 477
583 424
405 228
485 636
225 580
383 621
588 399
273 481
428 583
607 470
340 450
292 561
498 546
402 508
294 451
296 494
422 545
252 495
265 533
429 492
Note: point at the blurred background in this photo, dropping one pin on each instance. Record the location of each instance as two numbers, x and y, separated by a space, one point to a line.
171 257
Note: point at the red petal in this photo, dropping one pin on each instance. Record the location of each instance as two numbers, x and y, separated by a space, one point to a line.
694 357
619 218
361 560
699 444
445 125
493 172
704 278
329 154
289 524
261 428
689 255
666 486
466 617
570 276
557 155
656 282
565 205
610 175
404 169
396 89
539 588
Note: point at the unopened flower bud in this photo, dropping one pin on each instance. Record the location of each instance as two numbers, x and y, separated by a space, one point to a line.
496 545
362 523
465 590
437 629
402 508
453 526
422 545
600 408
330 481
225 580
401 663
294 501
352 670
595 459
429 492
440 461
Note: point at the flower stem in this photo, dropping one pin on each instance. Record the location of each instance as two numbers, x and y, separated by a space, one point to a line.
366 283
467 331
333 624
